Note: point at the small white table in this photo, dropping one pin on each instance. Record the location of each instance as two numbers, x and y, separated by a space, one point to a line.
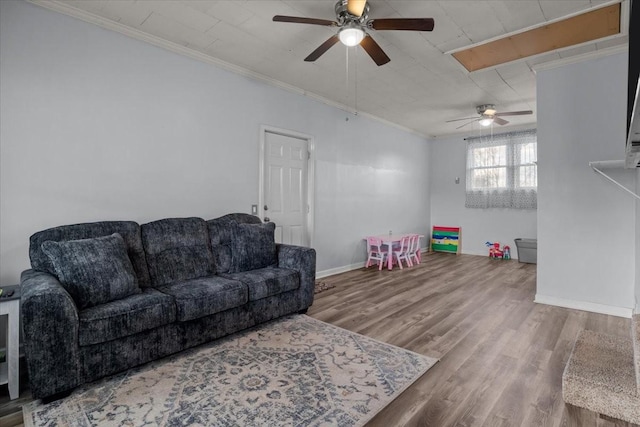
10 369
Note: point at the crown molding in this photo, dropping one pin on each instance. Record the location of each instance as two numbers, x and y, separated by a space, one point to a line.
66 9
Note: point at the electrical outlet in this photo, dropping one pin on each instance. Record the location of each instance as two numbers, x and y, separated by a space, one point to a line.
254 209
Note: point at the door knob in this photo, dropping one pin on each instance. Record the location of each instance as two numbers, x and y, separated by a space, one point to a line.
266 219
266 208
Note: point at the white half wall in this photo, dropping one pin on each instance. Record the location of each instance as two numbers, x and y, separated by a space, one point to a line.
478 225
99 126
586 225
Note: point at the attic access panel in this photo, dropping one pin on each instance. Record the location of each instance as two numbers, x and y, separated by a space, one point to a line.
579 29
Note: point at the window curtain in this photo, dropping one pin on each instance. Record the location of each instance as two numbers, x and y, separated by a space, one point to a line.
502 171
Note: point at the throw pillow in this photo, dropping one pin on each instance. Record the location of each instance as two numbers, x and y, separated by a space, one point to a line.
253 246
93 271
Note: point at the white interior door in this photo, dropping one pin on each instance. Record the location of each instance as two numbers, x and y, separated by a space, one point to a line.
285 186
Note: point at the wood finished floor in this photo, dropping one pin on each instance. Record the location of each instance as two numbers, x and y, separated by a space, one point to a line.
501 355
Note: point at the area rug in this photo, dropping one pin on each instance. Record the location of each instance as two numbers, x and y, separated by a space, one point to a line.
295 371
323 286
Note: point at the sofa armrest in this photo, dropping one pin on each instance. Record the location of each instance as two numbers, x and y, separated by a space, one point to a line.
302 260
50 328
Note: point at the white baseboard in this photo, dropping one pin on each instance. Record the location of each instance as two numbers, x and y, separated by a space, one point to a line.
338 270
345 268
585 306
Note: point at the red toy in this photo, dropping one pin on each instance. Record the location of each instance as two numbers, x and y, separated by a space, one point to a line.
496 252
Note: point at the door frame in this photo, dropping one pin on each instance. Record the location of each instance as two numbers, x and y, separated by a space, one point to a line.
310 217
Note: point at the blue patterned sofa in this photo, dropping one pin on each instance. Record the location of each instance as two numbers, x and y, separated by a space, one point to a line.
103 297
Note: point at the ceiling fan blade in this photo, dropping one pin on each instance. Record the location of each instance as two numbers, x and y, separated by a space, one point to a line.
410 24
500 121
514 113
457 120
374 50
322 49
468 123
299 20
356 7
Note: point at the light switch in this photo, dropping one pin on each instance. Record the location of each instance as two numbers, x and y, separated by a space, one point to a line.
254 209
457 180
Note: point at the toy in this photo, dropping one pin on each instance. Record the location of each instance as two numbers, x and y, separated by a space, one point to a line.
506 252
496 252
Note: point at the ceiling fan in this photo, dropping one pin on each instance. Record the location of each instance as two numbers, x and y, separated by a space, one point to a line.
353 23
488 115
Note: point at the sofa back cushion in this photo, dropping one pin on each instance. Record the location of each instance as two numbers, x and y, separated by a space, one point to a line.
220 233
129 230
252 246
177 249
94 271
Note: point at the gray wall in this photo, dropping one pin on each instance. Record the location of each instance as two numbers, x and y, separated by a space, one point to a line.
99 126
586 225
478 225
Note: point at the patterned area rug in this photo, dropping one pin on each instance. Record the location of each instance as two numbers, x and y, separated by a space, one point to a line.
295 371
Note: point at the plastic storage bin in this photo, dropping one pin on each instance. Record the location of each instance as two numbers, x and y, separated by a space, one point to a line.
527 250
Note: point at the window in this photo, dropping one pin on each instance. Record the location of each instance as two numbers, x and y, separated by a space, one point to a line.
502 171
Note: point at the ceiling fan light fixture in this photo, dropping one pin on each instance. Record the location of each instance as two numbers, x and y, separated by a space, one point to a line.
351 35
352 21
485 121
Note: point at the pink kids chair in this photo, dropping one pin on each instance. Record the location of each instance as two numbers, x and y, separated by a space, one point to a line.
376 251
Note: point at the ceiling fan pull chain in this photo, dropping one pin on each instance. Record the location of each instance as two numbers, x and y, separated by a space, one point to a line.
347 67
355 72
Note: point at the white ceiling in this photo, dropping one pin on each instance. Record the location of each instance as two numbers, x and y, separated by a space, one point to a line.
420 89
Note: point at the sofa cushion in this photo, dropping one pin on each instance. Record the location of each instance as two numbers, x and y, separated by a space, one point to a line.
204 296
129 230
220 235
177 249
266 282
124 317
222 258
93 271
253 246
